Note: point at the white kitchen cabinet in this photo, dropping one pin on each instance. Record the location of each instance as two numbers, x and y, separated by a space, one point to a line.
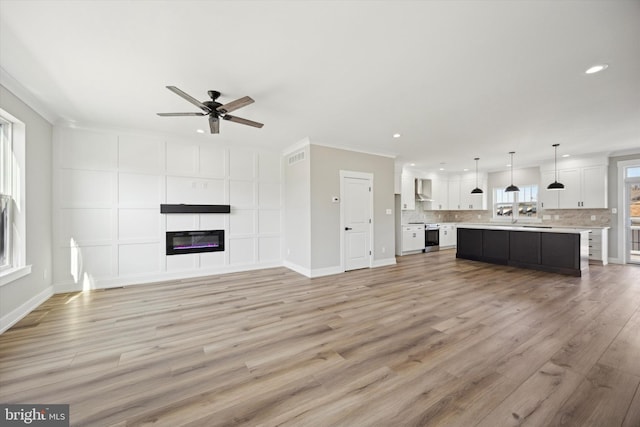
470 201
584 188
407 193
454 195
413 238
447 236
439 193
571 195
598 245
549 199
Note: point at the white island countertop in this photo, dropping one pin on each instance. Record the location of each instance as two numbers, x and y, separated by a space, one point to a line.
531 228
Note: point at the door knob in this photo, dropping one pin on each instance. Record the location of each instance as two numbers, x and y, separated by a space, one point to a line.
347 228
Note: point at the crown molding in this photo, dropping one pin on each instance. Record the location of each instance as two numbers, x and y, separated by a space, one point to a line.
26 96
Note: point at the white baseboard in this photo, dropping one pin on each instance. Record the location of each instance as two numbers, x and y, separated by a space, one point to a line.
384 262
328 271
14 316
298 269
132 280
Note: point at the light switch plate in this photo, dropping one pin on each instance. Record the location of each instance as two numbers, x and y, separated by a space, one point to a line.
388 211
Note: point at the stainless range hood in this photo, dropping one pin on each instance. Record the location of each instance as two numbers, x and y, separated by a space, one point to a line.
423 190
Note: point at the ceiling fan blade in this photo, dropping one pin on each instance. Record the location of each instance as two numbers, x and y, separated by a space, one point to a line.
234 105
189 98
214 124
243 121
180 114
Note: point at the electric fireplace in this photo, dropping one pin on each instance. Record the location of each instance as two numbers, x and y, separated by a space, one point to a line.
189 242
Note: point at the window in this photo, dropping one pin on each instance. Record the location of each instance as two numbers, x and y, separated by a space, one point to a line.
513 205
6 201
12 199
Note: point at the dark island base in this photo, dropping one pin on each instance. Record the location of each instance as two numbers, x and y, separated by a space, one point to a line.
553 252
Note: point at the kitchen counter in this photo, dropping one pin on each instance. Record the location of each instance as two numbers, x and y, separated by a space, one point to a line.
559 249
517 227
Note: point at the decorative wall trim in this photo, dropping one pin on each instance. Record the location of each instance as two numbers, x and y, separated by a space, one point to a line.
16 315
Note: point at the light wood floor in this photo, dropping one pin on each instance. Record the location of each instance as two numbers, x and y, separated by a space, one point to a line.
431 341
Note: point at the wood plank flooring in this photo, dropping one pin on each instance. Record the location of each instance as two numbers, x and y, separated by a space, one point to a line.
431 341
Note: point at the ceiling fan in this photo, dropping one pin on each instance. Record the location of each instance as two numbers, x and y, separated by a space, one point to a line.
214 109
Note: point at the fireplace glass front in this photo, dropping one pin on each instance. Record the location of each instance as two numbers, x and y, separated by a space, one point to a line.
189 242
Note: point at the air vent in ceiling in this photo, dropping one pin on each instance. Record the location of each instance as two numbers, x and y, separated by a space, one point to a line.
296 157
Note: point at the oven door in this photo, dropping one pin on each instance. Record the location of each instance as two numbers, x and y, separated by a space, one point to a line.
431 239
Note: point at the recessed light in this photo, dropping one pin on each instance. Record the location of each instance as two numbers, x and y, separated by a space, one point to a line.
396 135
441 169
596 68
199 131
509 165
466 169
566 155
413 164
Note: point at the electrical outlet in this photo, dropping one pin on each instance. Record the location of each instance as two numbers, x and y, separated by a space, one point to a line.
556 217
479 216
593 217
614 210
389 211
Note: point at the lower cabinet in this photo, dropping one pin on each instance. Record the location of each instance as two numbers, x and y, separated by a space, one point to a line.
495 245
598 245
447 236
524 247
412 238
469 243
549 251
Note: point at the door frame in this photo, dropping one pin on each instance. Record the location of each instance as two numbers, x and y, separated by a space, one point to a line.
358 175
623 217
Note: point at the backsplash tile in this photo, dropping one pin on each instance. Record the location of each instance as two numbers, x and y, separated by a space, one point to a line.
565 217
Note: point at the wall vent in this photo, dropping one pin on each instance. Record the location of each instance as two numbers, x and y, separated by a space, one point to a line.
296 157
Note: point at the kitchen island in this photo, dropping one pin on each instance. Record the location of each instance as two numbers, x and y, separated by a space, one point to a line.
557 250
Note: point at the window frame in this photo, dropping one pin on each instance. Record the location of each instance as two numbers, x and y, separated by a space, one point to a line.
514 203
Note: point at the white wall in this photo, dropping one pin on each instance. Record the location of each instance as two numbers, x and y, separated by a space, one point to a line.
19 297
297 229
326 164
108 188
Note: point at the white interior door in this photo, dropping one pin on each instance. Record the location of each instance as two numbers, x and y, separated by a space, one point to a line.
357 222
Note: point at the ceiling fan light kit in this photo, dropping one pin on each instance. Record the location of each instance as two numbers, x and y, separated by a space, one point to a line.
555 185
512 188
214 109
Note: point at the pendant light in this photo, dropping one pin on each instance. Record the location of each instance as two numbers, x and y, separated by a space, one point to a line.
555 185
511 188
476 190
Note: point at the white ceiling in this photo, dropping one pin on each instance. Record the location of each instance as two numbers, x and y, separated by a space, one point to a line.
458 79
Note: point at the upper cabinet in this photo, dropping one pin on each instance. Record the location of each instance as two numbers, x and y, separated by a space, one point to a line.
585 187
407 192
439 193
470 201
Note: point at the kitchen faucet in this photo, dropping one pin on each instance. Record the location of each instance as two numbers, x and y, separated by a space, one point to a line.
514 220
